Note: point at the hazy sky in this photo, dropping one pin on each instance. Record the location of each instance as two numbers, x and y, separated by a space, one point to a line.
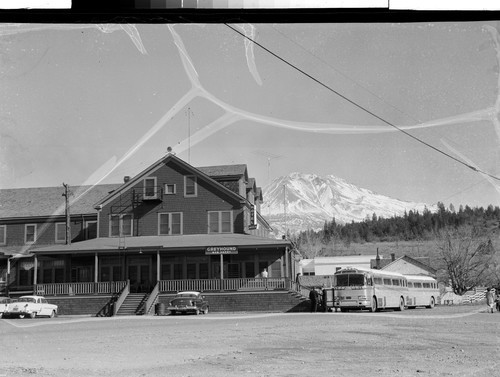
82 102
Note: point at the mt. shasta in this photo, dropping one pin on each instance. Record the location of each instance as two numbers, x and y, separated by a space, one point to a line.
299 202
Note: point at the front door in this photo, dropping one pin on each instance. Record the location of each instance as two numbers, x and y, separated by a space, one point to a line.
139 274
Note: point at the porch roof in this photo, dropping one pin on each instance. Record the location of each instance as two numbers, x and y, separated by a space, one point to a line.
196 241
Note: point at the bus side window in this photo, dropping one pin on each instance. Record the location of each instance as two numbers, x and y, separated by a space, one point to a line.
410 284
427 285
418 285
387 282
377 281
369 281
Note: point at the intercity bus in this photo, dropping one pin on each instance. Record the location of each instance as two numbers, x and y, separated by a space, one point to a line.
358 288
422 291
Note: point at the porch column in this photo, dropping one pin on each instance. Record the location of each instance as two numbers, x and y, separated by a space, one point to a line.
96 268
157 265
221 266
35 273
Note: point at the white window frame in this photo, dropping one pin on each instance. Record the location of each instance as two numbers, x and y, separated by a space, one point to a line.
195 178
169 214
167 192
219 226
121 225
3 230
59 240
26 242
155 195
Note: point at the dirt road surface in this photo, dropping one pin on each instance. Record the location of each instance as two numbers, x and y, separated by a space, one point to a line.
445 341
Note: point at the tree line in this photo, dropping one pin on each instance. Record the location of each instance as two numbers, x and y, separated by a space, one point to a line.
412 226
462 240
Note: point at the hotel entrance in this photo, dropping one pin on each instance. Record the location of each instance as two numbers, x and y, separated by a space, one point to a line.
139 273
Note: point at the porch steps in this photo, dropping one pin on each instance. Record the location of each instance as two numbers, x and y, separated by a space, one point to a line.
133 304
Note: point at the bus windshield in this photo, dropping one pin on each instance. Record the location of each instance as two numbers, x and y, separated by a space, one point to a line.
350 280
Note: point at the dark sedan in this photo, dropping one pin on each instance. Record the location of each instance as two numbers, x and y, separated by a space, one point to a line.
188 302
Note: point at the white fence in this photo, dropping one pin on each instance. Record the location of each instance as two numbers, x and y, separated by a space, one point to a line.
70 289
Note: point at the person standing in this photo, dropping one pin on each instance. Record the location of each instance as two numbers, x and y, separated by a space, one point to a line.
490 300
313 296
263 275
497 290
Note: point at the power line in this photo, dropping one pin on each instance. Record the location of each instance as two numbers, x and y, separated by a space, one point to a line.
361 107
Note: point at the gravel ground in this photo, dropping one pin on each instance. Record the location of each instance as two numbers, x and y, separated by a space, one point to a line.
445 341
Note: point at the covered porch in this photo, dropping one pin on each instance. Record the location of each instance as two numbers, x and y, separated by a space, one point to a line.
208 263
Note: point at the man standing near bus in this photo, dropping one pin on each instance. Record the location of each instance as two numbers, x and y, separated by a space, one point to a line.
490 300
313 296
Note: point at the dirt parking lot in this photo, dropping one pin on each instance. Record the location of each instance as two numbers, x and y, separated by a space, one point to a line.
445 341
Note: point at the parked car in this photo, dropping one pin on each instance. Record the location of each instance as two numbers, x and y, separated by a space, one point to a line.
31 306
188 302
4 302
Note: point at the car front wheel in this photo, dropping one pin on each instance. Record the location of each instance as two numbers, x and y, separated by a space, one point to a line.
53 314
206 310
32 315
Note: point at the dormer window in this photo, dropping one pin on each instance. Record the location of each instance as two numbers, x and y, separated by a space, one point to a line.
150 191
190 186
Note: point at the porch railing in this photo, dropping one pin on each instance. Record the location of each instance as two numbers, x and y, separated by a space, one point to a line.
207 285
152 300
173 286
70 289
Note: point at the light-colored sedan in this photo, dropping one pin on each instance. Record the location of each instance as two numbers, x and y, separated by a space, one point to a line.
30 306
4 302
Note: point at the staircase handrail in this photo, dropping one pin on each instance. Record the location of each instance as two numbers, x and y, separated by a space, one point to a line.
153 297
121 298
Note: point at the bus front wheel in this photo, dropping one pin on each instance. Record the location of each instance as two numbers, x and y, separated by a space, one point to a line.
431 304
401 306
373 307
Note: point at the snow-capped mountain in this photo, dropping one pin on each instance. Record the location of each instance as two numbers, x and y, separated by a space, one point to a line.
311 200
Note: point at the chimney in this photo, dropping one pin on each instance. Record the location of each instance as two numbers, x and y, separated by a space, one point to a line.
126 178
393 257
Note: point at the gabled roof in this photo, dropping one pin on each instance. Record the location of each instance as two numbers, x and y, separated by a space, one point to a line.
251 186
164 160
187 242
413 261
48 201
223 171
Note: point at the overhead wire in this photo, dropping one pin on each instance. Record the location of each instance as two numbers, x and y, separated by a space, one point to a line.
352 102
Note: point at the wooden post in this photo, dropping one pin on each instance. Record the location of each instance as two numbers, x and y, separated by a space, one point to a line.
157 265
96 268
35 273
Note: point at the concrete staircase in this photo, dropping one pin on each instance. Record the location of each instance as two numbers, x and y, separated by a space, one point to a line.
133 304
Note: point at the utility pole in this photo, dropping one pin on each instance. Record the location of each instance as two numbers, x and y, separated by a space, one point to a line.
68 226
189 113
284 207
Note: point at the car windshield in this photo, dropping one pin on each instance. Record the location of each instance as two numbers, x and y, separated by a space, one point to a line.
350 280
27 299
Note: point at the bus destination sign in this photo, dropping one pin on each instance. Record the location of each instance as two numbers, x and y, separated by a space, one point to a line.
217 250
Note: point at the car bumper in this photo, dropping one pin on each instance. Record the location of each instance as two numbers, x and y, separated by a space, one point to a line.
183 308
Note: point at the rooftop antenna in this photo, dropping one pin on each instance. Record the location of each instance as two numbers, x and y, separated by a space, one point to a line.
269 156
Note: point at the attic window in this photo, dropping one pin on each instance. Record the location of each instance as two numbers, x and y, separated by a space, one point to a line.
150 188
190 186
170 189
